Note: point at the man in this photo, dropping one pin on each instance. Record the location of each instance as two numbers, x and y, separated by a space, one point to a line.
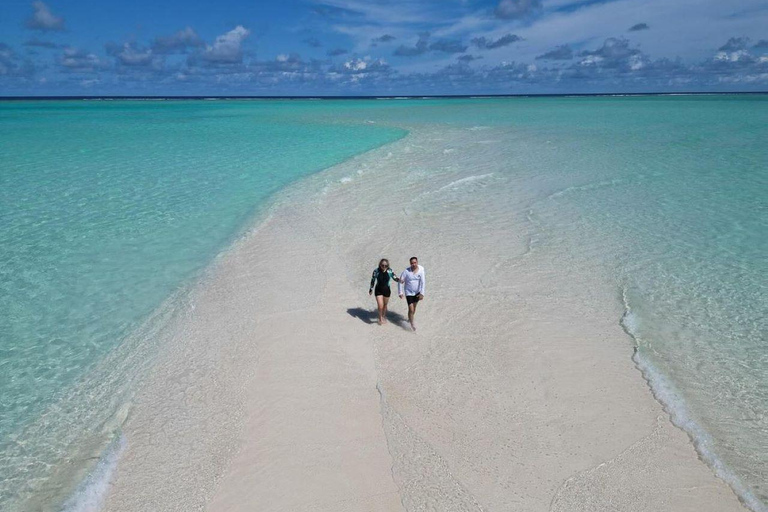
412 282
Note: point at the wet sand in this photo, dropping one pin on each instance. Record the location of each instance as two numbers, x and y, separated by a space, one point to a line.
278 391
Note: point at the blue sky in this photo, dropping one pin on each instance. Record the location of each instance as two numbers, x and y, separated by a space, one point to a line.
393 47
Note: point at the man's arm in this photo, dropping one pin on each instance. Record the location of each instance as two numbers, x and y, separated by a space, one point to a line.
423 281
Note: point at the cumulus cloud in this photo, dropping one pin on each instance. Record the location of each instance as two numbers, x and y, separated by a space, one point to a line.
283 62
735 44
487 44
43 19
336 52
313 42
448 46
365 65
638 27
357 71
421 47
562 52
74 60
131 55
614 53
515 9
180 42
12 67
227 48
734 59
761 45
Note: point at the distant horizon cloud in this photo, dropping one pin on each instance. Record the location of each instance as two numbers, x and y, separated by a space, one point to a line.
639 26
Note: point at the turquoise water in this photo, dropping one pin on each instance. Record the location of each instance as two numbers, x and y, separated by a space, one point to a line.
107 208
674 194
667 198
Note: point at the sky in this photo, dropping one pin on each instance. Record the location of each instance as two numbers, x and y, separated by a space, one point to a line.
385 47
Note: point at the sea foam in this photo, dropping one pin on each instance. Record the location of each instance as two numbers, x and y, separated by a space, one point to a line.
666 393
90 494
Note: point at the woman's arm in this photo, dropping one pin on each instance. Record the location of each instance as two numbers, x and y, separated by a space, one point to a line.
373 280
392 274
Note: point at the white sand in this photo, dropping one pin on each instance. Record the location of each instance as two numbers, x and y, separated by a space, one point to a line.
518 391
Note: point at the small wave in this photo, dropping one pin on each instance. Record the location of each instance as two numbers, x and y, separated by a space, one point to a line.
665 393
90 494
345 179
586 188
478 128
464 181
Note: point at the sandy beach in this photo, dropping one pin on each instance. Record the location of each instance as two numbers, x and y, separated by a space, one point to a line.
277 391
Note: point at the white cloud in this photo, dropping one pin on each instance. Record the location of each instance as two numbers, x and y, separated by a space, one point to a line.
79 61
227 48
43 19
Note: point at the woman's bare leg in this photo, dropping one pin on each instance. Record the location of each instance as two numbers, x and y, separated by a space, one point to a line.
382 306
384 313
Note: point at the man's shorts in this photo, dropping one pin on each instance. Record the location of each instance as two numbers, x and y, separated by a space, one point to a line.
412 299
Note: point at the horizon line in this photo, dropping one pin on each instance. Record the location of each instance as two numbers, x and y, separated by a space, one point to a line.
394 96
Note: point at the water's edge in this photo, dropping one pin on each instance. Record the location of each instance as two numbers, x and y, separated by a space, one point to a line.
91 484
665 393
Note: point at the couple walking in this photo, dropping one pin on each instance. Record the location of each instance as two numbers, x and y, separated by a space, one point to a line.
410 285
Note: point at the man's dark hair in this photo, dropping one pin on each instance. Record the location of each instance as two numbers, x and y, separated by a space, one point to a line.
413 258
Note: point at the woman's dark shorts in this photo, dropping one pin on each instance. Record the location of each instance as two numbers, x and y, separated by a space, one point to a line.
411 299
384 290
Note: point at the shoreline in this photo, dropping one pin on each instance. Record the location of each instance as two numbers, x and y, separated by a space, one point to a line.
404 430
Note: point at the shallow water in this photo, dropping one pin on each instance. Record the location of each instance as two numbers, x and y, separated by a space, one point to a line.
664 196
109 208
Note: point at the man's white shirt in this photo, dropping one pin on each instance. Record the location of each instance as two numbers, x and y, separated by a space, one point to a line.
413 282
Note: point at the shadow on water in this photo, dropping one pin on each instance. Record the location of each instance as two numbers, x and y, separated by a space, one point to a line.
370 317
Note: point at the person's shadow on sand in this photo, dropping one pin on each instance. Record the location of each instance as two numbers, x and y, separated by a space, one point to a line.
370 317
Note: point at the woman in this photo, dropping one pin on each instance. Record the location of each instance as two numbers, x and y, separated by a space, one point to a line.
380 277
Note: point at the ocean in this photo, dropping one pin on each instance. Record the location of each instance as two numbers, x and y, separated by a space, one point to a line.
111 210
108 210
